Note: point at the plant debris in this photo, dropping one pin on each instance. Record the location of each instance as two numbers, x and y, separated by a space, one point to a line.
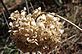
35 31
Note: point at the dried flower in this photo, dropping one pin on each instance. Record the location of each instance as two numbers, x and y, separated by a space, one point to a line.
34 31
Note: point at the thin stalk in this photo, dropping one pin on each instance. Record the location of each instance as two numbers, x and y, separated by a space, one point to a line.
31 6
5 19
5 13
68 39
27 6
4 7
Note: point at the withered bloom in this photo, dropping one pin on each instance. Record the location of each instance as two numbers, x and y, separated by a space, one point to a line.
36 31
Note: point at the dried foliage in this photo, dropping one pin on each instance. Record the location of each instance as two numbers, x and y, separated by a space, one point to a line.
35 32
71 39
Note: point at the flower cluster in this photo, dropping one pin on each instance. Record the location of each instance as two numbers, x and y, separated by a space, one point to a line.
36 30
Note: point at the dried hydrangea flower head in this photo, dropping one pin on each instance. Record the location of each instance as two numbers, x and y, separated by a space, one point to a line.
35 31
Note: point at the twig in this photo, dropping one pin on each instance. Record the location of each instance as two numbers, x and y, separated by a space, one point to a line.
4 14
5 19
68 39
75 40
1 1
31 6
26 1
